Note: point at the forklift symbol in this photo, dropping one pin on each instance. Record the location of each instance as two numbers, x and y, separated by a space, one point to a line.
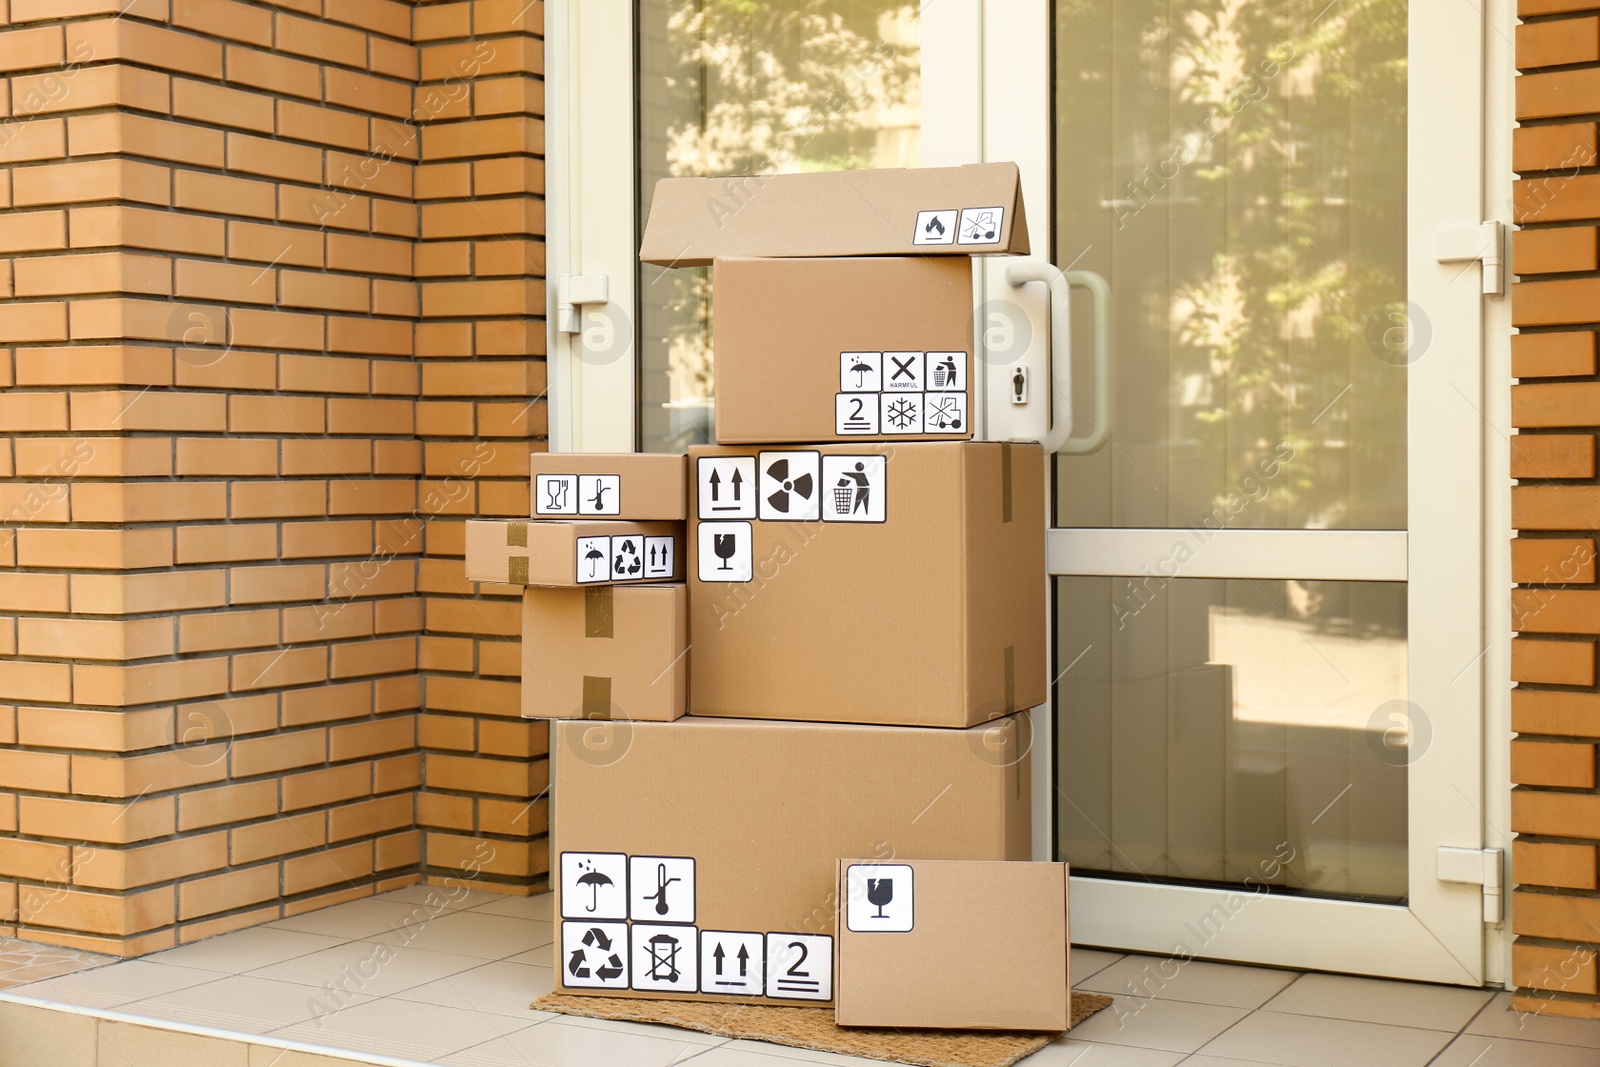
663 950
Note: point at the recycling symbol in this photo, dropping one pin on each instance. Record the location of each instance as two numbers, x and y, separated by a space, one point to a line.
628 564
598 947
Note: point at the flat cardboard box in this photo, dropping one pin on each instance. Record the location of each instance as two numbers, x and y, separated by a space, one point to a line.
972 945
930 211
918 599
639 487
605 652
567 554
869 347
698 859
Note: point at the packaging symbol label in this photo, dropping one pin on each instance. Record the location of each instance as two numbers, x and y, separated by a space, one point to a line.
727 487
880 897
902 372
942 413
799 966
860 372
791 486
980 225
661 889
855 414
594 559
732 961
555 494
724 552
627 558
854 488
594 955
600 494
947 372
935 228
902 413
594 885
665 958
658 557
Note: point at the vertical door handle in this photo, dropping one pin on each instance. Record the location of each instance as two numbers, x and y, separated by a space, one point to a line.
1059 436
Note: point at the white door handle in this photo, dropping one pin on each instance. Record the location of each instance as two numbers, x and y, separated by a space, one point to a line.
1059 436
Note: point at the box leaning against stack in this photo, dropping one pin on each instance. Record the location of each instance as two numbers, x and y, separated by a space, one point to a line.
864 607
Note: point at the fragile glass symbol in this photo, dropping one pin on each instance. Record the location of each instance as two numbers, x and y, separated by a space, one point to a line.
558 495
880 891
725 546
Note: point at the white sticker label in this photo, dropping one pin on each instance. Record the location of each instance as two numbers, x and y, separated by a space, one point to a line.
731 962
981 225
878 897
935 228
727 487
790 484
627 559
594 955
555 494
944 412
947 372
853 488
664 958
855 414
600 494
800 966
902 413
724 552
658 552
661 889
594 559
860 372
902 372
594 885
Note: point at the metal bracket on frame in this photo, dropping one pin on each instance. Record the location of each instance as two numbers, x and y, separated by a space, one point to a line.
1484 243
1478 866
572 292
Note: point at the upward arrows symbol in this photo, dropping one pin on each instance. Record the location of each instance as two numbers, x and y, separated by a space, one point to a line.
718 956
744 959
716 484
738 480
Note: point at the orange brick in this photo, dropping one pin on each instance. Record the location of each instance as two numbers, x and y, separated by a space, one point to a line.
1557 968
330 292
1563 866
33 231
305 122
375 16
32 49
1559 917
360 92
86 820
327 786
274 244
269 670
327 622
377 337
327 867
513 818
1553 763
397 772
158 772
515 778
237 456
161 231
371 817
274 159
1558 94
216 631
225 18
259 585
134 594
1553 662
284 499
143 43
101 913
1555 197
278 837
112 272
104 868
275 329
107 731
94 639
512 175
321 41
34 772
201 808
1552 44
1554 814
100 179
222 106
225 892
516 216
313 539
1555 507
1553 355
1551 251
1565 146
273 72
1553 456
1552 561
219 544
327 456
121 687
302 707
148 501
278 752
143 135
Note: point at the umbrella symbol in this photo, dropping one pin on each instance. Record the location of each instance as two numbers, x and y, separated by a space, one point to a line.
858 368
593 555
594 880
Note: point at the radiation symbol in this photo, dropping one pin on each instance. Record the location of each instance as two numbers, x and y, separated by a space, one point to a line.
789 486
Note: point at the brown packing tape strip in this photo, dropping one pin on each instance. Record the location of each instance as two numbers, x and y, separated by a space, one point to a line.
599 612
596 697
1005 481
517 570
1011 679
516 535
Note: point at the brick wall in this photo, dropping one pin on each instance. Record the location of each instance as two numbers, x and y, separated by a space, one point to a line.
257 328
1556 510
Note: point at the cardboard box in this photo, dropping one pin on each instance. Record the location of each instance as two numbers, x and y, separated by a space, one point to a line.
973 945
959 211
837 349
900 584
573 553
635 486
605 652
698 859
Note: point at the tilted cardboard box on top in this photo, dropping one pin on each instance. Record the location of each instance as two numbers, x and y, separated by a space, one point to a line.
637 486
897 584
605 652
570 554
698 859
953 944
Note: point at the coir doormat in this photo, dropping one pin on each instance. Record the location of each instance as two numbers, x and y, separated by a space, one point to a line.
813 1028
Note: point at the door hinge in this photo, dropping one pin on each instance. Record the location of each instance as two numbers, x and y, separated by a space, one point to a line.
572 292
1484 242
1478 866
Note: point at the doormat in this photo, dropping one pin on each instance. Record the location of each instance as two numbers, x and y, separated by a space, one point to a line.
813 1028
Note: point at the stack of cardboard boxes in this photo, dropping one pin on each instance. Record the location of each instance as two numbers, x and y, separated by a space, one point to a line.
854 591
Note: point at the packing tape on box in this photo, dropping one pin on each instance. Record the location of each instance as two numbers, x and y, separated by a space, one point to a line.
1005 490
516 535
517 570
596 697
1011 679
599 613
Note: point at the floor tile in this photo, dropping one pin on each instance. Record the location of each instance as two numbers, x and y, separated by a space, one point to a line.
1307 1041
22 962
368 967
1198 982
502 987
1373 1000
359 918
622 1026
489 937
1500 1019
1167 1025
543 956
559 1044
517 907
245 1004
1470 1050
120 983
245 950
454 897
790 1055
1087 962
402 1029
1072 1053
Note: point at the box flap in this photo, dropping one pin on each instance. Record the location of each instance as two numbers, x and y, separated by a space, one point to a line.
960 211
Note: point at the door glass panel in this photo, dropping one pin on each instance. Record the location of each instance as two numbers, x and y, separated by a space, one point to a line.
728 88
1237 172
1235 731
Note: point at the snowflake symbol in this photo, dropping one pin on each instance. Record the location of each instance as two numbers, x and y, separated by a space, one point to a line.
902 413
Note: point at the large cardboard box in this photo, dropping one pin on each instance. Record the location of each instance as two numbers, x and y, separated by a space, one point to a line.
898 584
837 349
978 945
636 486
698 859
573 553
960 211
605 652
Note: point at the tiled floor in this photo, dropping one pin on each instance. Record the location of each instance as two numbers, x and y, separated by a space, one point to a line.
399 980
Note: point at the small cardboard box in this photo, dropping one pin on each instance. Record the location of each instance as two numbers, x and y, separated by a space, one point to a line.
605 652
635 486
839 349
573 553
972 945
898 584
930 211
698 859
